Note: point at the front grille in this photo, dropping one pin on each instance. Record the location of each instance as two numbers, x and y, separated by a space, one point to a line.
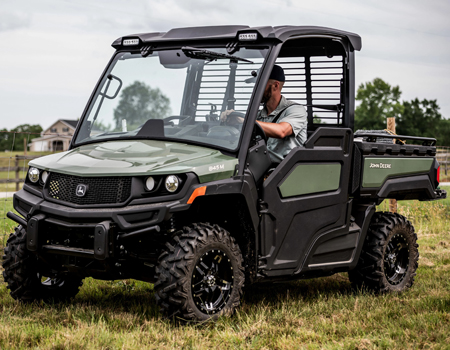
98 190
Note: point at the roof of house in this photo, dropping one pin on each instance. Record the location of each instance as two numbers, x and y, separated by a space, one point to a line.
72 123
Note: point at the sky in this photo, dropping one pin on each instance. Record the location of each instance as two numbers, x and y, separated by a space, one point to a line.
52 52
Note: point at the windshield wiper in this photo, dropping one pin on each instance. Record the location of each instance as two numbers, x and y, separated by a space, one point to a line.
193 52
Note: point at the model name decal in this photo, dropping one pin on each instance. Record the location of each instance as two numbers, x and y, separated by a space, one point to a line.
217 167
381 165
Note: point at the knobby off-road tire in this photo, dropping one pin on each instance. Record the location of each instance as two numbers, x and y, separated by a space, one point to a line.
21 273
200 276
389 258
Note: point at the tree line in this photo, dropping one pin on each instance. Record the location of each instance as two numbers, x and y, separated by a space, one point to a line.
12 140
379 100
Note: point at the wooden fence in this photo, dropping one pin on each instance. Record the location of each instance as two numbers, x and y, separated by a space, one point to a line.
443 157
16 169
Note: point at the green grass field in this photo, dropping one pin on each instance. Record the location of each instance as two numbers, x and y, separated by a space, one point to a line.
322 313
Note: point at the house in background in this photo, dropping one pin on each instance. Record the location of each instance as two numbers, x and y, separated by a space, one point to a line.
56 138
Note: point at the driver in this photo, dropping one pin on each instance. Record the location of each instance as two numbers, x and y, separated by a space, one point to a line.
283 121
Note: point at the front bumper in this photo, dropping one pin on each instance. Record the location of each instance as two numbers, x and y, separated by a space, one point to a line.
126 218
107 226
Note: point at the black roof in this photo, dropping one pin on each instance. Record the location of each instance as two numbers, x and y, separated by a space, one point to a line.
280 33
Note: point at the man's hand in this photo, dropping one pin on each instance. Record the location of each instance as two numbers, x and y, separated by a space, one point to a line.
224 115
228 119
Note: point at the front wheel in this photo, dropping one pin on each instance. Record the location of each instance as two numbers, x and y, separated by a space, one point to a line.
389 258
23 276
200 276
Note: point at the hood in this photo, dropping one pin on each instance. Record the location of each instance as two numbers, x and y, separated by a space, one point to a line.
140 157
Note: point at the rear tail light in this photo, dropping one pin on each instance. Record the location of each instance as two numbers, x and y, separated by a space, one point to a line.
438 176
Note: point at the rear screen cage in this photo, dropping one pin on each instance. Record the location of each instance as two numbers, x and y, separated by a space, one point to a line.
315 82
213 87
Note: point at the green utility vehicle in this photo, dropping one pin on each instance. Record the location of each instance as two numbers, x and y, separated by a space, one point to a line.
157 188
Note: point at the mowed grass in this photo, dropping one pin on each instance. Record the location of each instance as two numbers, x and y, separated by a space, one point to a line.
322 313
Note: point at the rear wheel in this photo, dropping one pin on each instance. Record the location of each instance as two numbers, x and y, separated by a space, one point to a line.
389 259
200 276
23 276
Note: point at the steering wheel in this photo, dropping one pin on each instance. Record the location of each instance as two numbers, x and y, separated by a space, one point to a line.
232 119
258 134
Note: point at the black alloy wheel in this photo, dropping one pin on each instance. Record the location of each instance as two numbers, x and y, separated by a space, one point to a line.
23 276
212 281
51 282
396 259
201 275
389 256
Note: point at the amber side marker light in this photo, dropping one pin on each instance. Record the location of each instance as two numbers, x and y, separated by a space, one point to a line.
197 192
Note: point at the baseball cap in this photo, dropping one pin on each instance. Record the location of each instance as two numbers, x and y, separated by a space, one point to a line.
277 73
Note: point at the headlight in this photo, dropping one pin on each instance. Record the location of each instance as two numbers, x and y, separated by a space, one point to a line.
150 183
172 182
44 176
33 175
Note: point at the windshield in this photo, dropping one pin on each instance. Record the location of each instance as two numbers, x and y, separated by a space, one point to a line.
174 95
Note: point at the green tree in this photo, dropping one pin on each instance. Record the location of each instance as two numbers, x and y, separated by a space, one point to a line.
138 103
379 101
5 142
22 132
443 133
419 118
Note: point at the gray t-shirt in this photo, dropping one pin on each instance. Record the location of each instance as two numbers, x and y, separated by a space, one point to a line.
296 116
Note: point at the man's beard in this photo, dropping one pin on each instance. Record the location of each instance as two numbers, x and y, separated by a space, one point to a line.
267 95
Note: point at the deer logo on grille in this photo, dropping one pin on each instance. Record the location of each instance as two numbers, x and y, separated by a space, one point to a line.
81 190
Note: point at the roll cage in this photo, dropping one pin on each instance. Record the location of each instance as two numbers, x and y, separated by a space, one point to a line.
318 63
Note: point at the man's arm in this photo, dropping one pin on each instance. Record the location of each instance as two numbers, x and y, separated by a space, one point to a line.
296 119
276 130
